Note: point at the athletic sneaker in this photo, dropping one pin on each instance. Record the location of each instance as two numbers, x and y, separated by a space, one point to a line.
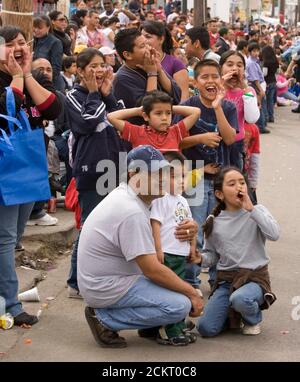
46 220
163 339
19 248
251 330
74 293
192 337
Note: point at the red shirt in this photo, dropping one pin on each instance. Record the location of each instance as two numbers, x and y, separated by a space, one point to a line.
146 135
251 142
213 39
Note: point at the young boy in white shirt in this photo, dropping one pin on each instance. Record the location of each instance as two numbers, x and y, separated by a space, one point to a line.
166 213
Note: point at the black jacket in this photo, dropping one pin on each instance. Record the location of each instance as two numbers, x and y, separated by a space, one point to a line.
95 139
47 111
222 46
50 48
65 40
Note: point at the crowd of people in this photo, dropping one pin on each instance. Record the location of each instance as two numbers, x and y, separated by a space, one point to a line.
142 79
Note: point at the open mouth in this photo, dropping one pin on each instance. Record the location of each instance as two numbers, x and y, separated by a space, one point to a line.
240 195
235 77
18 57
211 90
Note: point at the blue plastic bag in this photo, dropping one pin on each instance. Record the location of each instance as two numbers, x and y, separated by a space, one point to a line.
23 161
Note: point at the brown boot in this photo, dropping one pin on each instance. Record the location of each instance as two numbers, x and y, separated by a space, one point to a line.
104 337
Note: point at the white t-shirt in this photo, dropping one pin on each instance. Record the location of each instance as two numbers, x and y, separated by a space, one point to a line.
170 211
171 17
115 233
106 40
124 20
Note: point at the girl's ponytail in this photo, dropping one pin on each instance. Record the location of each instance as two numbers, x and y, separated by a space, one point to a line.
208 226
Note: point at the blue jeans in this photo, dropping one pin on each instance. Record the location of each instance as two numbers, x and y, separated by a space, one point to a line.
237 154
200 214
38 211
88 200
61 144
12 224
270 94
245 300
290 96
145 305
262 122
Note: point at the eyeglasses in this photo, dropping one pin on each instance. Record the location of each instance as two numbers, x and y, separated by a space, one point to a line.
61 20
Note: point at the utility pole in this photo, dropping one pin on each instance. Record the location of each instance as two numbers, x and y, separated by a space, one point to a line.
199 12
18 13
248 14
273 8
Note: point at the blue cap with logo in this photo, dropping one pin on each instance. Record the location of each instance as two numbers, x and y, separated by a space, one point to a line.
146 158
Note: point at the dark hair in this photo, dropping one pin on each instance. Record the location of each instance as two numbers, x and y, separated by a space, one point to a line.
201 34
71 26
54 15
78 17
253 46
171 25
283 67
230 53
218 186
109 21
180 19
268 55
212 21
242 44
125 40
174 155
158 29
86 56
202 64
41 20
68 62
156 96
223 31
9 33
81 13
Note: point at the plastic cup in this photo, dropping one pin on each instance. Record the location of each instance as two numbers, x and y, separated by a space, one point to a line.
29 295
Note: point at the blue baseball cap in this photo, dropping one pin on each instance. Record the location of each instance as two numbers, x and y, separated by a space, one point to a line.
146 158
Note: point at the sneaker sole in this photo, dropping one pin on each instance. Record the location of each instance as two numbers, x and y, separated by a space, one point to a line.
77 297
161 341
93 323
251 334
41 224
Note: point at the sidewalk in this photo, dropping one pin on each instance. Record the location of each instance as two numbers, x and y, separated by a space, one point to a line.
44 246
